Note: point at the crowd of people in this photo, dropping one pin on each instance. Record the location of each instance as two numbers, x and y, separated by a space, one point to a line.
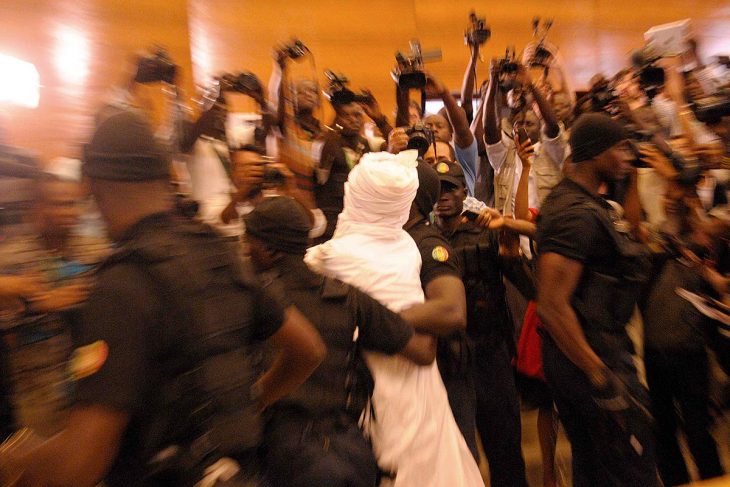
269 298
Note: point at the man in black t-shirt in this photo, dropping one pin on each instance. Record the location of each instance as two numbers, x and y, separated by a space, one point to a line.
164 387
590 274
327 407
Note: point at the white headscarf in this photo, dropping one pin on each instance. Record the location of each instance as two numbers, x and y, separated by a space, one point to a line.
378 194
370 249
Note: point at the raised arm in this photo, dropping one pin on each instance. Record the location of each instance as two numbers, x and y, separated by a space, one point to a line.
467 86
463 137
492 133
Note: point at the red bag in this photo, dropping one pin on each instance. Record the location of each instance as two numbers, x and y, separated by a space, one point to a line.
529 346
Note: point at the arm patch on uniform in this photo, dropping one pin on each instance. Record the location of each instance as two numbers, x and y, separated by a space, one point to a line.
440 254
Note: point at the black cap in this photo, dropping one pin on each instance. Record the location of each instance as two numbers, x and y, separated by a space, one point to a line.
451 173
594 133
429 188
281 222
124 148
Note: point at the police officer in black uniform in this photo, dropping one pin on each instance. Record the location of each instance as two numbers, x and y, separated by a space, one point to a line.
312 437
165 391
444 312
591 271
489 327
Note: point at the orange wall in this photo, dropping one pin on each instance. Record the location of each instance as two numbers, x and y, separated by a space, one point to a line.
93 40
81 48
360 38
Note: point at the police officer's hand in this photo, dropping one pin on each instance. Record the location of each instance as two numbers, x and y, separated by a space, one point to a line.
490 218
59 299
397 140
610 394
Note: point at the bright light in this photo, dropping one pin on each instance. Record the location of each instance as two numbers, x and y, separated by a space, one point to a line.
71 55
19 83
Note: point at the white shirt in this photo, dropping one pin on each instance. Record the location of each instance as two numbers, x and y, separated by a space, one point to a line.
555 149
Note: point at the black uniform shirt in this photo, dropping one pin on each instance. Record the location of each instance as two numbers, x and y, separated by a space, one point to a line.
119 360
565 227
437 256
335 309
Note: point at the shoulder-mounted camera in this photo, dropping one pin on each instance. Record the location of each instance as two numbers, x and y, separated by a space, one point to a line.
295 49
156 67
409 71
507 67
338 93
244 82
478 32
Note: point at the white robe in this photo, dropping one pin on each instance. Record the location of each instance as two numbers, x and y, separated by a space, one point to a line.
414 432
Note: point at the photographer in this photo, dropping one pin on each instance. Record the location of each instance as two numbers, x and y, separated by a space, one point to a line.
549 143
454 130
342 150
675 340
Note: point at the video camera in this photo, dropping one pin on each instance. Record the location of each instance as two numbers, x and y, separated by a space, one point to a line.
541 56
244 82
420 137
339 94
409 71
478 32
156 67
295 49
507 67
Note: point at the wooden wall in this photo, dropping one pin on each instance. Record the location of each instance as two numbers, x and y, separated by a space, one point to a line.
81 47
360 38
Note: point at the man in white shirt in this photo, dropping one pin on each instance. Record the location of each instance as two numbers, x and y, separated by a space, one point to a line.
549 146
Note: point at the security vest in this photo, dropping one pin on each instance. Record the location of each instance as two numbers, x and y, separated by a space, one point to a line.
204 408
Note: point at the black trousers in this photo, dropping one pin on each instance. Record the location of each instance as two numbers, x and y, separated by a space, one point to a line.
609 449
483 398
498 414
299 451
679 391
7 420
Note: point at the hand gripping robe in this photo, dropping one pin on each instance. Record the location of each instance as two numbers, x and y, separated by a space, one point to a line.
414 433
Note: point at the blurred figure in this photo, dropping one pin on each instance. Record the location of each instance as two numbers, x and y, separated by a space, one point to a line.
165 393
59 263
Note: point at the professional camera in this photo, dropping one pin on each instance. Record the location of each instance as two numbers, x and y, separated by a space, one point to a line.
420 138
478 32
650 75
296 49
409 72
507 67
339 94
711 109
156 67
541 55
244 82
603 97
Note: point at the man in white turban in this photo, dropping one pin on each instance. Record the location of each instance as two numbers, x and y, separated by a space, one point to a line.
414 434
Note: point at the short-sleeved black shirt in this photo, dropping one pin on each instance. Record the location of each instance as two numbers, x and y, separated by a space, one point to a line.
120 358
566 227
336 309
437 256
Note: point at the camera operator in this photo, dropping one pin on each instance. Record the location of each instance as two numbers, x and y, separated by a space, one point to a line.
675 339
484 259
343 147
549 144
